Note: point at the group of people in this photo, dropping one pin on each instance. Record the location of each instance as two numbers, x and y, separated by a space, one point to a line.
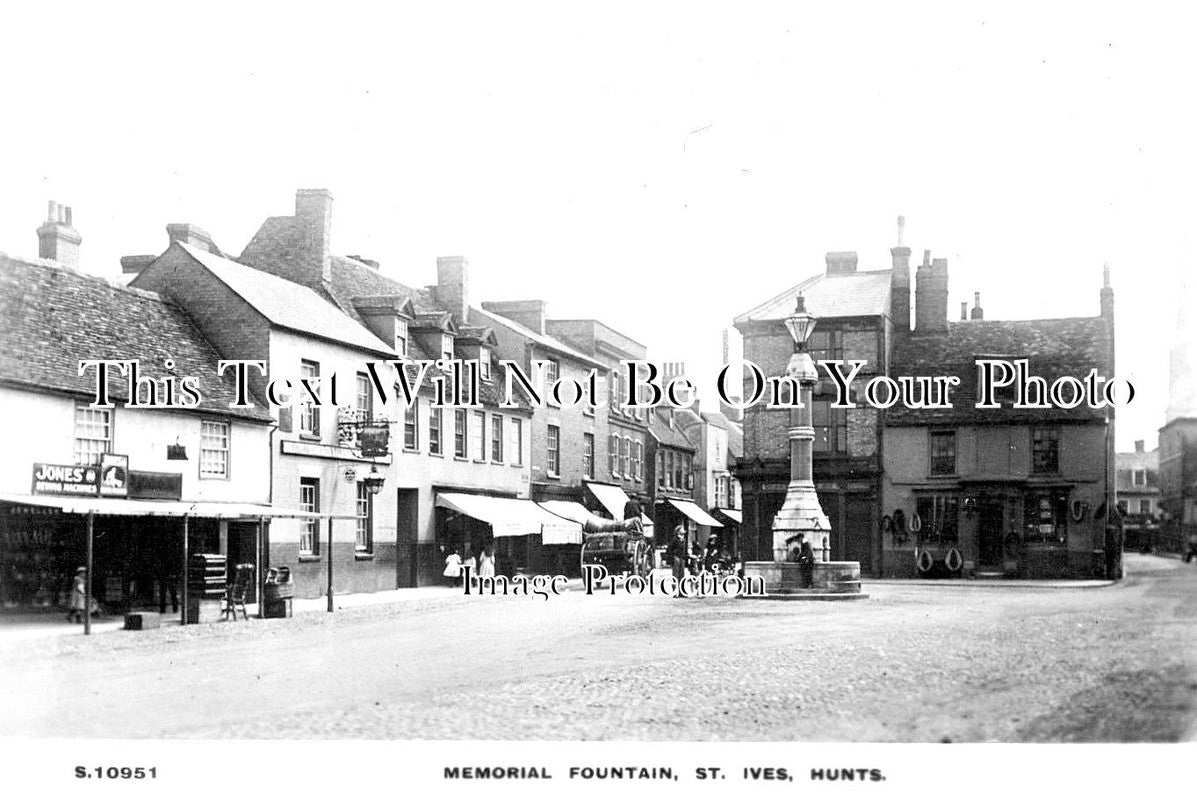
460 559
694 558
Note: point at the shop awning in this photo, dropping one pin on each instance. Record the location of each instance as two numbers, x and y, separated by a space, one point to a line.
614 499
694 512
122 507
733 514
510 517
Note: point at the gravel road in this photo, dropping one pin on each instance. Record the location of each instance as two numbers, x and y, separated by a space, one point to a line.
912 663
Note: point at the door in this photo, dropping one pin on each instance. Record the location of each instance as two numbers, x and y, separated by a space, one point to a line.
243 549
406 536
990 526
858 531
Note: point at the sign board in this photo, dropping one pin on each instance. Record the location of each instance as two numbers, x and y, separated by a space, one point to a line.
374 440
114 475
76 479
155 485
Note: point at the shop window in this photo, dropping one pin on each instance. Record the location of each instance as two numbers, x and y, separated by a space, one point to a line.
93 434
940 518
309 529
1046 515
309 414
1144 506
554 460
214 449
436 419
831 427
517 457
460 421
588 455
496 439
411 425
943 452
364 543
1045 451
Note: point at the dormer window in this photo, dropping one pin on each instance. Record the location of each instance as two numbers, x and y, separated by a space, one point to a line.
447 347
401 337
484 363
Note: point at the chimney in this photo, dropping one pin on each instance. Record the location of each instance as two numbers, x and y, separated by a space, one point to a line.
529 313
57 239
978 312
899 292
841 262
313 220
964 311
453 288
931 295
1139 443
186 233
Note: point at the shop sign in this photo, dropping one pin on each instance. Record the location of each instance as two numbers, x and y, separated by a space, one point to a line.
374 440
77 479
155 485
114 475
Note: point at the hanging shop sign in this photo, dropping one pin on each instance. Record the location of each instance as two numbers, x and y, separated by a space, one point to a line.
155 485
114 475
374 440
77 479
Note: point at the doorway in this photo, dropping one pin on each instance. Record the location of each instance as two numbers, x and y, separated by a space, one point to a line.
990 525
407 529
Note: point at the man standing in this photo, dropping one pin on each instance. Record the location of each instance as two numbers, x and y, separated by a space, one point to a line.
676 553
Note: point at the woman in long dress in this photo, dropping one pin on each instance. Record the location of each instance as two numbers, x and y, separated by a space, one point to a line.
486 565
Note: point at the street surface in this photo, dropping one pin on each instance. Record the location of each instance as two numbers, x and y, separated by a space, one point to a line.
911 663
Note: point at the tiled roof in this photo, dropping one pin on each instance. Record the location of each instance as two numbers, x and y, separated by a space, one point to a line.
52 317
541 339
851 294
1054 348
658 426
288 304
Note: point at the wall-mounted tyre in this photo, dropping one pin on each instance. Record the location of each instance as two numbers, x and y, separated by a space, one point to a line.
924 562
953 560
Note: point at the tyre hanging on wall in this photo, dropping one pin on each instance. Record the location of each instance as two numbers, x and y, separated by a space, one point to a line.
916 522
924 562
953 561
1078 508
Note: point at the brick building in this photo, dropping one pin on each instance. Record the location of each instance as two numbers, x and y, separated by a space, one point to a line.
855 321
671 456
1138 484
1178 436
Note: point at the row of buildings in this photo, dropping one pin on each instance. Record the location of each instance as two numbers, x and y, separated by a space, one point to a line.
374 492
987 492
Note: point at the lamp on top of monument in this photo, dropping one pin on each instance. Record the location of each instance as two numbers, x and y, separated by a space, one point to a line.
801 323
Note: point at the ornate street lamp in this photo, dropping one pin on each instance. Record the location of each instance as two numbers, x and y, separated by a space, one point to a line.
801 511
374 480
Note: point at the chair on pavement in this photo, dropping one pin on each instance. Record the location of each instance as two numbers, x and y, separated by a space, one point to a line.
234 594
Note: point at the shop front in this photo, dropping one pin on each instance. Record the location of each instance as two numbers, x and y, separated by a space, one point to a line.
520 535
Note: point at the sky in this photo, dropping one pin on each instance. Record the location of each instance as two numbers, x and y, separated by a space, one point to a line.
662 167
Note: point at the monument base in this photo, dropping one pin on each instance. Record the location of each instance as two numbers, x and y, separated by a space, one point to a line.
830 580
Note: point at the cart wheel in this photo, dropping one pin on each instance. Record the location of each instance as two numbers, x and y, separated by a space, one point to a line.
643 560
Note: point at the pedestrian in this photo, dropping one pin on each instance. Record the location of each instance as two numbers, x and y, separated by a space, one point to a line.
676 552
633 511
78 603
486 565
452 571
469 567
806 562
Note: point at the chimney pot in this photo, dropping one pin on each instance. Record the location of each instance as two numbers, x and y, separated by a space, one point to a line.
978 313
841 262
901 230
57 239
926 258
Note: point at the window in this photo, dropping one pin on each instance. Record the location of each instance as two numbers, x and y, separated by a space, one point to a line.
479 437
616 384
554 465
940 517
825 345
214 449
484 363
831 427
588 455
613 455
459 432
496 439
552 372
518 440
401 337
1144 506
624 446
661 469
447 347
309 529
309 415
689 474
1045 450
943 452
721 492
669 473
411 425
1046 517
637 461
364 542
436 419
1140 477
365 398
93 434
